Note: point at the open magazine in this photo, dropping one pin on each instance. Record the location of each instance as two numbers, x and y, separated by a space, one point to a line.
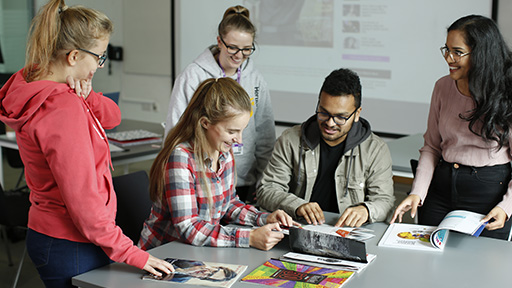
322 246
328 245
356 233
200 273
432 238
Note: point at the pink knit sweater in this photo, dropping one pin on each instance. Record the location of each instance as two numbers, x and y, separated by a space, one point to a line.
448 136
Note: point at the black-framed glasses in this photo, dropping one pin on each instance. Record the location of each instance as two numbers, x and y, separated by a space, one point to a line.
101 58
338 119
233 49
454 54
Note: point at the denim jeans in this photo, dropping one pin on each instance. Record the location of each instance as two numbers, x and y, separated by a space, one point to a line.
459 187
57 260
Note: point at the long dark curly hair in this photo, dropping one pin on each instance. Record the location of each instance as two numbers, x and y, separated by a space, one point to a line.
490 78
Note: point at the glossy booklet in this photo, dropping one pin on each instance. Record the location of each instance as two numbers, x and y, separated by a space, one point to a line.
432 238
200 273
323 244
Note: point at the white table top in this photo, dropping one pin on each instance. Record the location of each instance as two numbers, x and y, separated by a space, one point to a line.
465 262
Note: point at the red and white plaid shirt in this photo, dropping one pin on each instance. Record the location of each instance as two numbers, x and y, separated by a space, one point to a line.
185 213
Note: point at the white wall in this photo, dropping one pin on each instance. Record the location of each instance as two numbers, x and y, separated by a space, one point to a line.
156 88
152 90
504 20
14 21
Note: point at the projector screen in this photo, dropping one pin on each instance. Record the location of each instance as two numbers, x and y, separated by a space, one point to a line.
393 46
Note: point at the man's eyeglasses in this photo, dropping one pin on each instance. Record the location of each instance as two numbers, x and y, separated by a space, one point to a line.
101 58
233 49
454 55
338 119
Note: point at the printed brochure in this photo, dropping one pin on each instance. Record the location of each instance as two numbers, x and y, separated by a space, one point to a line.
200 273
432 238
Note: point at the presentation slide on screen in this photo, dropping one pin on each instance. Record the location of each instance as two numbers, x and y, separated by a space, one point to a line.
393 45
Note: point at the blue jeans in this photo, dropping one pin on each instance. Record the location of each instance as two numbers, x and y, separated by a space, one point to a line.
460 187
57 260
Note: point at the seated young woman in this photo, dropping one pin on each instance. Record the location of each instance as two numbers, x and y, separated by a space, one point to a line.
193 178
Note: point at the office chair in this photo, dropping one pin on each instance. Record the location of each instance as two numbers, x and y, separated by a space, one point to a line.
113 95
133 203
13 213
14 160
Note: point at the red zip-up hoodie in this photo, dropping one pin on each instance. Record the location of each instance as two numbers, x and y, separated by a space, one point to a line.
67 163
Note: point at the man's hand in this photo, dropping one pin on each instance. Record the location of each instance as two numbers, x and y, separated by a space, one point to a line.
353 217
311 212
279 216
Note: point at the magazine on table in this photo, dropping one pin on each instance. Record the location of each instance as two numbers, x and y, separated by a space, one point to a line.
327 262
200 273
280 273
329 247
356 233
432 238
317 243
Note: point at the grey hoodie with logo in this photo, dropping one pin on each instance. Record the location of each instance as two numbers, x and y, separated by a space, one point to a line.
259 136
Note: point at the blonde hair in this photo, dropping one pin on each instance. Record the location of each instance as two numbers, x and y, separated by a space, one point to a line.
236 18
57 28
215 100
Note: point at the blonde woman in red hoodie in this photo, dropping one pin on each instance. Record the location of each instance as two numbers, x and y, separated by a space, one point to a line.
62 143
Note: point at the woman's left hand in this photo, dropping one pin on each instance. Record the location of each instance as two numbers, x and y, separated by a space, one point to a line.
279 216
499 217
82 87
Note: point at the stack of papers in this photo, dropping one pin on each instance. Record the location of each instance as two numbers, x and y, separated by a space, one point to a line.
327 262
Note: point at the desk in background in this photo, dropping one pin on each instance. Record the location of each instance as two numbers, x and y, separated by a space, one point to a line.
134 153
402 151
465 262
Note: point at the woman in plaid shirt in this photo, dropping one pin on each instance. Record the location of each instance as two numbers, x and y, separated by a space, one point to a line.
193 178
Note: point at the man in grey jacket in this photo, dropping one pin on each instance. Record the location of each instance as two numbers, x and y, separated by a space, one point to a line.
332 162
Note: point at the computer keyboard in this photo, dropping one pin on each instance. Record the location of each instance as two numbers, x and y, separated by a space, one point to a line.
132 135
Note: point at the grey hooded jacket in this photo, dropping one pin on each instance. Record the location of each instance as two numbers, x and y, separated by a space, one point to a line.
363 176
258 137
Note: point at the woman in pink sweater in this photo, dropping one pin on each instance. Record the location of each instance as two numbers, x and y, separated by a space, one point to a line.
62 143
465 161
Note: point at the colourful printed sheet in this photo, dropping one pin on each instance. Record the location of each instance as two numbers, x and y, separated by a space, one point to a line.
284 274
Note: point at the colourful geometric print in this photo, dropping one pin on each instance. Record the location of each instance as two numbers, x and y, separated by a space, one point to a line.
262 275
